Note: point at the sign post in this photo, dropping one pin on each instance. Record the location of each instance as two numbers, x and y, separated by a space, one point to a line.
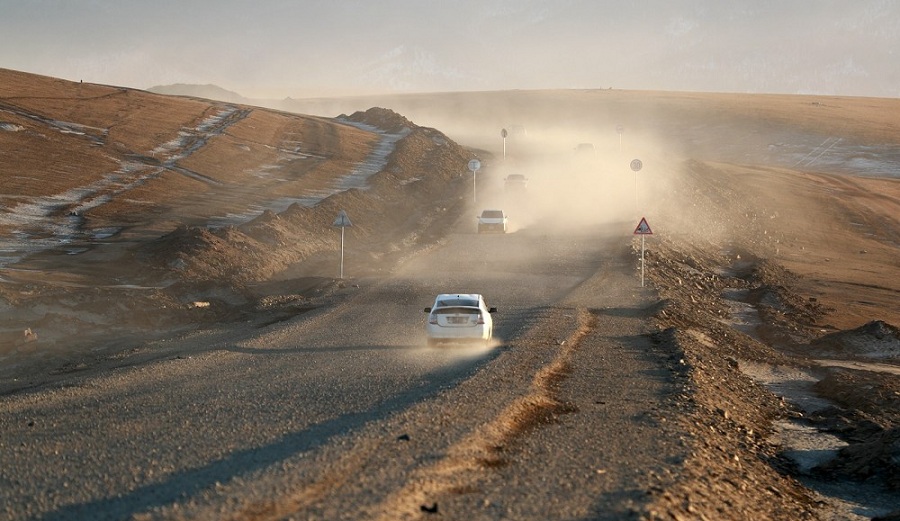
620 130
642 229
474 165
503 134
636 166
342 222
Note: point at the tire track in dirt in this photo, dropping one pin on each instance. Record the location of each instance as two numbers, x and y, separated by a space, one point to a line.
481 449
485 447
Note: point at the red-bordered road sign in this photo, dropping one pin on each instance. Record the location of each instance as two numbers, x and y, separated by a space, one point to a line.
643 228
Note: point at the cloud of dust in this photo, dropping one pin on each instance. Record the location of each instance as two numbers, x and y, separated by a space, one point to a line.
573 187
422 356
570 187
579 178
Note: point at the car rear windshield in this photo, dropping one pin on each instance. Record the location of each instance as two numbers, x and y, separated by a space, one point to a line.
456 310
465 302
492 214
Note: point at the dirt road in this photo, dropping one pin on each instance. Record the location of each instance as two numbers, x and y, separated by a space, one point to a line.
344 414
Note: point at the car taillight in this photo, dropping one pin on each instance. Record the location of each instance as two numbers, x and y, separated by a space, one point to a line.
432 319
480 319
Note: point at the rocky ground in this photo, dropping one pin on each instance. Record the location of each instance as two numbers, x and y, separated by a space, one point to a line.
707 288
735 466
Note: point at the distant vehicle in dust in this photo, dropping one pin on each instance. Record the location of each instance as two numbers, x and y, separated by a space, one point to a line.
584 148
517 130
515 183
493 221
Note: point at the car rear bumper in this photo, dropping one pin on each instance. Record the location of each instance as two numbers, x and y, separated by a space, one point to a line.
499 228
480 332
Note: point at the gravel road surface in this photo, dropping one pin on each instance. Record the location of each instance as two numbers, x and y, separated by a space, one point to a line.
343 413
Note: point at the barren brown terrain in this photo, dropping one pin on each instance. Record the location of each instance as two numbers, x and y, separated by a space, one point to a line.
175 342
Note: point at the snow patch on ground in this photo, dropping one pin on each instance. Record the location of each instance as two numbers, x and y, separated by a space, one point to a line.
793 384
860 366
43 223
356 179
834 154
96 135
189 140
806 445
377 159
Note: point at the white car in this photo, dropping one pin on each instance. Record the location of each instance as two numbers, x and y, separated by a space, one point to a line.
493 221
459 317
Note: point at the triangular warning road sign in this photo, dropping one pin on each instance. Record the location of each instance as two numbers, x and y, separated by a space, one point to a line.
342 220
643 228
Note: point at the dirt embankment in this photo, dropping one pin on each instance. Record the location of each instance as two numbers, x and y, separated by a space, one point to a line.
199 275
728 298
415 197
735 466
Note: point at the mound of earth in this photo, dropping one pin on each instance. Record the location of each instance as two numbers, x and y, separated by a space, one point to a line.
383 119
410 202
734 467
872 341
874 459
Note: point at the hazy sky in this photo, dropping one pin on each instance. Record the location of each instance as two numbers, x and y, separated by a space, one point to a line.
278 48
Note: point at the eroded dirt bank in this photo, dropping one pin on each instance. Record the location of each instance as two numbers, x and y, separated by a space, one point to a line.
710 282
